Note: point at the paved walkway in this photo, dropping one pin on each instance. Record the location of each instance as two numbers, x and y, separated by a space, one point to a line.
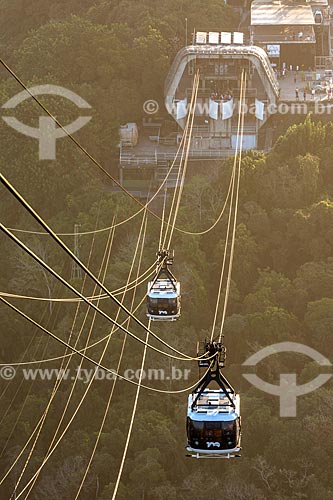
288 87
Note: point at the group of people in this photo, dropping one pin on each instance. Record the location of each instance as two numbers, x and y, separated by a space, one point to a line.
281 73
221 96
305 92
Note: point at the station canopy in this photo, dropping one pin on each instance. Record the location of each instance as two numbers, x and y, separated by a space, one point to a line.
284 12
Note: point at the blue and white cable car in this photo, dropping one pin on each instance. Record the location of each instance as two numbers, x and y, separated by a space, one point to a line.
163 295
214 425
213 415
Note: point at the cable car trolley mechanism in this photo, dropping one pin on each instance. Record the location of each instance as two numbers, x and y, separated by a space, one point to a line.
213 415
163 296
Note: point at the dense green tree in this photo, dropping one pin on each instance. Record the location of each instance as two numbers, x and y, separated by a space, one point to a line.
116 55
318 319
307 137
315 279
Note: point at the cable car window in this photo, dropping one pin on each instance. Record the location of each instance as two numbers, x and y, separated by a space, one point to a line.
196 429
162 303
229 426
213 429
167 303
223 434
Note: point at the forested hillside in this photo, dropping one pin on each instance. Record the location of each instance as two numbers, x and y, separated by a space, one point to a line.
115 55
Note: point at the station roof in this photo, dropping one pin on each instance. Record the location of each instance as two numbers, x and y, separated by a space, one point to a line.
281 12
321 3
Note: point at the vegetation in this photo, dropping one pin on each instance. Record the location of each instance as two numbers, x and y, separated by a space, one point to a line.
282 287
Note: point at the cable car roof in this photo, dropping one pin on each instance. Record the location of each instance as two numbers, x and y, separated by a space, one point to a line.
163 289
214 405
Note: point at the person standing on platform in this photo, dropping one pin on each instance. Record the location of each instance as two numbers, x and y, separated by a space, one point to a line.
297 94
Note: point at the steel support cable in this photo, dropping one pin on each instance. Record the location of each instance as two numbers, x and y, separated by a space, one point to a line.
188 145
85 269
106 258
114 382
183 231
9 406
57 384
232 250
100 311
95 162
239 124
22 358
81 401
44 351
163 215
137 384
142 278
225 252
39 362
187 134
100 366
117 375
118 291
90 346
182 168
32 212
91 360
40 422
51 450
129 434
206 231
8 295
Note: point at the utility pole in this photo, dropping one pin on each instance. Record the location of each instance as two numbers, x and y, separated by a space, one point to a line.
76 269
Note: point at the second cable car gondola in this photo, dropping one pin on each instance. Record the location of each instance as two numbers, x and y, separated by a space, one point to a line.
163 295
213 415
213 425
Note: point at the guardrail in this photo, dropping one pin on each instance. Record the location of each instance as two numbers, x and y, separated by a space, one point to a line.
324 62
193 155
283 38
245 50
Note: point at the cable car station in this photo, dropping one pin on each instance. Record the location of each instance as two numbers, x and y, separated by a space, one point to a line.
286 48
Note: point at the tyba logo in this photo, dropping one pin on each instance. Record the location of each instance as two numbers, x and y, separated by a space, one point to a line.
47 133
287 390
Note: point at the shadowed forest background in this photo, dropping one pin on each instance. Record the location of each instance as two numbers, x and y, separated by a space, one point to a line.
116 55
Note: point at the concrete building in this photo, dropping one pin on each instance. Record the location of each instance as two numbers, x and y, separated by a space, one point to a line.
282 31
291 32
220 65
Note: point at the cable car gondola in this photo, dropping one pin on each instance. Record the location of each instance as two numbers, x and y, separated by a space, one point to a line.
163 295
213 415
